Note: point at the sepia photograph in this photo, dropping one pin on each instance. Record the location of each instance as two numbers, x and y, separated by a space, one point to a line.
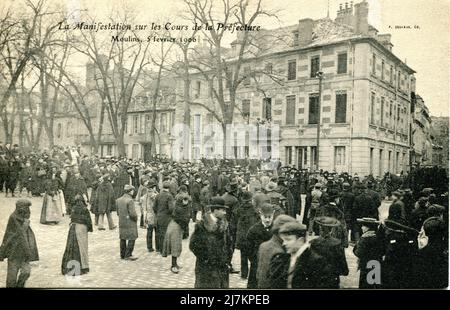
224 144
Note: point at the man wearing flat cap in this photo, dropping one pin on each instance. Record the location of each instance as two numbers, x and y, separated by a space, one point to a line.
297 268
127 223
269 249
19 245
211 244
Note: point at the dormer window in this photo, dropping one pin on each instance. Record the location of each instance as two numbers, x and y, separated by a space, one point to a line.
296 38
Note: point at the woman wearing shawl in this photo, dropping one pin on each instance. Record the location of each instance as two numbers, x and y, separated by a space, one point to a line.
76 253
174 233
52 209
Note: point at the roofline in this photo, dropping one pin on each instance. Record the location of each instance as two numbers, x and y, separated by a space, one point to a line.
315 47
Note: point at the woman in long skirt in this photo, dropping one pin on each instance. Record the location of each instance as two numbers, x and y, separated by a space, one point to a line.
52 212
174 235
75 261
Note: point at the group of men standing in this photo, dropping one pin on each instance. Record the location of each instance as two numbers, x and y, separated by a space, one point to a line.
291 227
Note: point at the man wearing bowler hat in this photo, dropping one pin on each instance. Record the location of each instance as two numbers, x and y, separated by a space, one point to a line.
211 244
19 245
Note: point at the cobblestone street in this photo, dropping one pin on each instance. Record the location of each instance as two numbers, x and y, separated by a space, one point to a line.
107 269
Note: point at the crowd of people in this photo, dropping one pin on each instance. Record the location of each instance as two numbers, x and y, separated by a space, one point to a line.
291 226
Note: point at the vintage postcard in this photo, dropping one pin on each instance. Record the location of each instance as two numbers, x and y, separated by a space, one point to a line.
224 144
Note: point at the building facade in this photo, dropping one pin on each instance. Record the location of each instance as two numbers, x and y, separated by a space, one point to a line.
440 134
422 139
365 100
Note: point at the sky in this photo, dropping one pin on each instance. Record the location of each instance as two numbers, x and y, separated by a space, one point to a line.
426 49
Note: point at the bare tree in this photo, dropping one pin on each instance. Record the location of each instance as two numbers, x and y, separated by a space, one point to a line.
119 65
19 46
219 66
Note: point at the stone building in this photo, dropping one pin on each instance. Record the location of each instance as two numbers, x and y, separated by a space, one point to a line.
422 139
365 104
440 141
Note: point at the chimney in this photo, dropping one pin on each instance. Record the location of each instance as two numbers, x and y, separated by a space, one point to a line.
305 29
362 18
345 15
385 39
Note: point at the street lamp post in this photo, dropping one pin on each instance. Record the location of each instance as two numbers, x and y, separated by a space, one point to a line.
319 75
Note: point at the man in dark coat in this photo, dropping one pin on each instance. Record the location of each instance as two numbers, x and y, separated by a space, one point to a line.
420 214
232 202
369 248
363 206
332 251
212 247
267 250
104 202
196 188
291 209
247 217
346 203
257 234
127 223
431 264
399 249
163 207
19 245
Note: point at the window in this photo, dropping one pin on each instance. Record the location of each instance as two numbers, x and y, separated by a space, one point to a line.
59 131
371 161
398 79
398 113
292 70
380 166
198 89
163 123
197 126
135 123
339 155
313 157
342 63
341 108
247 76
109 150
382 111
142 123
374 64
296 38
267 108
288 155
246 107
390 114
391 75
69 129
372 108
290 110
382 70
390 161
315 66
313 109
135 151
269 68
